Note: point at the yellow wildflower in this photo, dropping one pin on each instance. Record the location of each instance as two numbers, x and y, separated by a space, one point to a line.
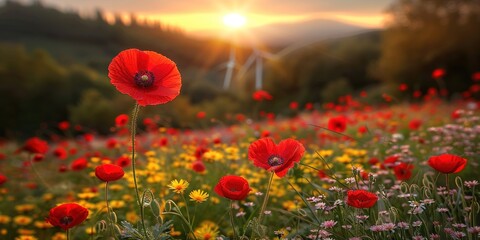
22 220
178 186
198 196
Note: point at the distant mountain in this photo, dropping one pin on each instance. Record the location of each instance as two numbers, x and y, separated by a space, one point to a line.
282 34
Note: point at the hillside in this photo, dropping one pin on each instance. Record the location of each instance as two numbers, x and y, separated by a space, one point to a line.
73 39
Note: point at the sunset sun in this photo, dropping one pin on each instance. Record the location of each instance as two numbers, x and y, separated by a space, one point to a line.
234 20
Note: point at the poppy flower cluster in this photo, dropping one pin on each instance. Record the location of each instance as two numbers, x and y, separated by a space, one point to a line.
232 187
67 215
148 77
277 158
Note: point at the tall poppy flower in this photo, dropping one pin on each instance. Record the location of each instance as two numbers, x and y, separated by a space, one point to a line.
148 77
232 187
361 199
109 172
447 163
278 158
67 215
337 124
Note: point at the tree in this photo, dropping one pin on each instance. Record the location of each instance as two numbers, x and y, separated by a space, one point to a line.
426 34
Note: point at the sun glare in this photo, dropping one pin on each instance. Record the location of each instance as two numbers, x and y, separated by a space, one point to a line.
234 20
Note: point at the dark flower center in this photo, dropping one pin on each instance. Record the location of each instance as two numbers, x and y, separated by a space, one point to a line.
66 220
275 160
144 79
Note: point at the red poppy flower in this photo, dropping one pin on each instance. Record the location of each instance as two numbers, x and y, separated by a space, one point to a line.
447 163
201 115
109 172
308 106
361 199
278 158
62 168
123 161
121 120
232 187
148 77
403 87
35 145
321 174
64 125
456 114
79 164
3 179
293 105
198 166
67 215
38 157
200 151
337 124
111 143
415 124
438 73
403 171
261 95
60 153
362 129
476 76
390 162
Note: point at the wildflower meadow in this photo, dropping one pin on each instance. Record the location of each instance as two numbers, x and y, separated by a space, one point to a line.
293 120
350 171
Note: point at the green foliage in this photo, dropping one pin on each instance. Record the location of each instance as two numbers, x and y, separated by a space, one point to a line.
336 88
94 111
309 70
428 34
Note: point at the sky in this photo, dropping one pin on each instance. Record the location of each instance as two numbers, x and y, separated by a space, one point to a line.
202 17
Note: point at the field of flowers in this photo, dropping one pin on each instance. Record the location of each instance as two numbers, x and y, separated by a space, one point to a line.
345 171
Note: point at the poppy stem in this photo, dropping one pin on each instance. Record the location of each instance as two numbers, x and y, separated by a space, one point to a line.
232 221
32 165
447 184
67 232
265 200
133 132
109 219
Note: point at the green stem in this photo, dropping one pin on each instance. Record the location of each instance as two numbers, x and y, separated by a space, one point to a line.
68 234
110 223
133 133
142 216
265 200
184 220
186 207
32 165
232 221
